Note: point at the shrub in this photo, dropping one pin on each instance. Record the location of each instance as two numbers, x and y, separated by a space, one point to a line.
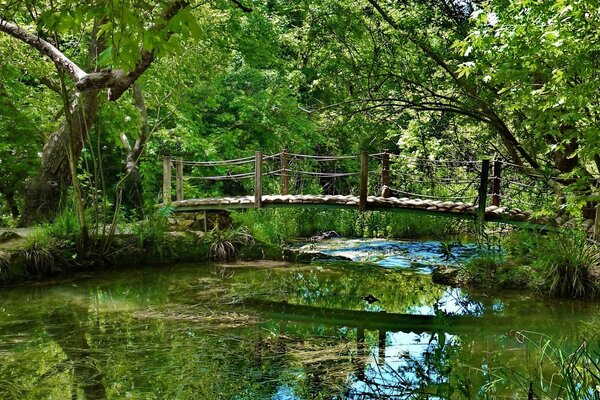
565 263
562 263
224 242
152 236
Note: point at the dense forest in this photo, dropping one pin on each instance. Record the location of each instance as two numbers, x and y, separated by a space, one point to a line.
475 122
94 94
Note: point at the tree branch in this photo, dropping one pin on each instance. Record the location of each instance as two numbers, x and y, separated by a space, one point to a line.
62 61
241 6
116 80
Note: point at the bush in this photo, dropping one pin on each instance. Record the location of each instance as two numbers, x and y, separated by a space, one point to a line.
565 263
152 236
224 242
562 263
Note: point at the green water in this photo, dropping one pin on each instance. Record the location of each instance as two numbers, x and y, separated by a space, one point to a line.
273 331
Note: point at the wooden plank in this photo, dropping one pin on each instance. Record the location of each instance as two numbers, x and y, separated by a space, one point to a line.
496 180
258 171
483 188
179 179
167 180
364 181
285 178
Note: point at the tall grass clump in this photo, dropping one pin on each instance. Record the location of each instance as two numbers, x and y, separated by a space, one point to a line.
152 236
563 372
39 253
564 264
224 243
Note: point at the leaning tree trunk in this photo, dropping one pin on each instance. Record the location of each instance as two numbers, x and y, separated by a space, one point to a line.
45 194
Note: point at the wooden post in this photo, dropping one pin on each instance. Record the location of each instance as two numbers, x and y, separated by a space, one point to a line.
258 179
496 180
385 168
179 179
483 187
167 180
285 178
364 181
382 339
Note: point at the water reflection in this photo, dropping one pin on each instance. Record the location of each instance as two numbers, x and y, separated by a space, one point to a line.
269 332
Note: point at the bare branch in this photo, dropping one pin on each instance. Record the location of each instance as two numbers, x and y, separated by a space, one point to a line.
241 6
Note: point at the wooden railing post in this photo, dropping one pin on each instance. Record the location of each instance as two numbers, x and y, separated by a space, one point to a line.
483 188
364 181
496 180
258 167
179 179
285 178
167 180
385 168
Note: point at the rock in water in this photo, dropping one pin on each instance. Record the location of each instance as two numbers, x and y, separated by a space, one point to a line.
370 299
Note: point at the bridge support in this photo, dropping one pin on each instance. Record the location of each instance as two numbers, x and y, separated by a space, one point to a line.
496 180
285 178
258 173
483 189
167 180
364 181
179 178
385 172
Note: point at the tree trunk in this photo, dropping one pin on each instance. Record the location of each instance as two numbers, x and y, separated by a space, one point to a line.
45 194
12 204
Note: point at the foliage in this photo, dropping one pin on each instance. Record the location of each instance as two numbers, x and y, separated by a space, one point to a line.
224 242
276 226
152 236
565 264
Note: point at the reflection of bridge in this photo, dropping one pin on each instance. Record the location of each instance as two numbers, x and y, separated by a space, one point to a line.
458 188
383 321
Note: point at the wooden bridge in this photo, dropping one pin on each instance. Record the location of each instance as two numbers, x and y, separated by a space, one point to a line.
482 190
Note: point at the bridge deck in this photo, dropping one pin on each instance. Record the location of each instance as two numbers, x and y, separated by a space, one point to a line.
434 207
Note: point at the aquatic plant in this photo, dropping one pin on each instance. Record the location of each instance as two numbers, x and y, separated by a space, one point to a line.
4 265
565 263
39 258
224 242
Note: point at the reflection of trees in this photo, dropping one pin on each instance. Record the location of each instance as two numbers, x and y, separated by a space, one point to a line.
181 349
344 287
67 325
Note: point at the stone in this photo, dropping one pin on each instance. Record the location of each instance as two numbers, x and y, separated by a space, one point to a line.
8 235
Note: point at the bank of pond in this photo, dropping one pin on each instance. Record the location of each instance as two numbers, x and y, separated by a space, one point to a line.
363 320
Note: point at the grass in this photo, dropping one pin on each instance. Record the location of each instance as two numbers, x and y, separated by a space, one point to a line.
224 243
577 371
277 226
558 264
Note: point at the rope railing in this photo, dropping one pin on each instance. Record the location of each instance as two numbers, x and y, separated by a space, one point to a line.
384 174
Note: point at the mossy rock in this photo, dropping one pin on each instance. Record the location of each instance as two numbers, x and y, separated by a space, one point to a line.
445 275
8 236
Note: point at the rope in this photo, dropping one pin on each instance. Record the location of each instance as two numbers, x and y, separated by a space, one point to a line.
321 158
221 177
324 174
219 163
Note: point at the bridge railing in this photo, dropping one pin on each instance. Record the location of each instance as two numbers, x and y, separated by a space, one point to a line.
471 182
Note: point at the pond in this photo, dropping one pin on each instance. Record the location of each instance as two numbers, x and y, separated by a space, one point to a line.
375 327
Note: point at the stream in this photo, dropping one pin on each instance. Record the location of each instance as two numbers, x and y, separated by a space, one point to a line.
371 328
